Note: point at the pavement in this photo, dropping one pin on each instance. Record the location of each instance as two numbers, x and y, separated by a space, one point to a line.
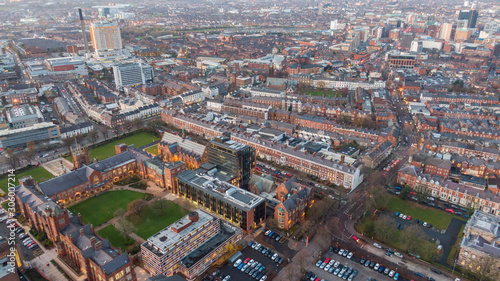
58 166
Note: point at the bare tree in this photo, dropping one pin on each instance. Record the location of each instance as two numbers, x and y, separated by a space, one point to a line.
119 213
30 151
271 223
139 123
105 133
482 267
68 142
137 206
160 206
411 238
128 125
93 135
384 227
13 158
125 227
116 131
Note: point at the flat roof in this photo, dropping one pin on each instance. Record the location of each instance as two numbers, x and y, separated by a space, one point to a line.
229 193
167 237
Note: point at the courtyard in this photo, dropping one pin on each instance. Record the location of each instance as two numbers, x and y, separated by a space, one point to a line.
100 209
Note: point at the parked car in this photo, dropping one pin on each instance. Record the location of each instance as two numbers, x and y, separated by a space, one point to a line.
377 245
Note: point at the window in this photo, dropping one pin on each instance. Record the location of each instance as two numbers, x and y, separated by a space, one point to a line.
129 277
119 275
61 221
127 270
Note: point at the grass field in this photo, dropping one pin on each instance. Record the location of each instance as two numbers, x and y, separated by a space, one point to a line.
153 149
108 150
320 93
98 210
39 174
437 218
114 236
150 223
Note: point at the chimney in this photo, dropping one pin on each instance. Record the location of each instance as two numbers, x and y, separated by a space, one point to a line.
84 33
93 240
342 159
80 218
81 232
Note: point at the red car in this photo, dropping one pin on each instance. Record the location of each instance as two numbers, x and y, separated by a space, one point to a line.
246 261
355 238
450 211
408 217
327 260
413 193
257 168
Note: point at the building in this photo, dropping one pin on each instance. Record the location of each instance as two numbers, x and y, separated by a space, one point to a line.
208 188
106 38
93 256
445 32
402 60
236 159
17 138
23 116
463 34
470 16
174 148
188 246
481 241
20 96
66 66
295 199
132 74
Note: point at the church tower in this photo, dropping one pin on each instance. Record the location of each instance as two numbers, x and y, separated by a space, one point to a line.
80 156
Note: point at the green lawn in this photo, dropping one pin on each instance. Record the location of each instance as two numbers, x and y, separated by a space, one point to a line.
150 223
153 149
108 150
39 174
437 218
114 236
100 209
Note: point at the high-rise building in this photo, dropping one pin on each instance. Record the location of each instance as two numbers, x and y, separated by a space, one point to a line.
106 38
104 12
445 32
470 16
234 158
131 74
333 25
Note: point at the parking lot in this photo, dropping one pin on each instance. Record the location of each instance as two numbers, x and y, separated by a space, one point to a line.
364 272
271 267
280 246
28 254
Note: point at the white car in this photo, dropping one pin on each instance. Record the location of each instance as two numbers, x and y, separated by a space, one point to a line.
377 266
404 217
274 256
349 256
397 254
341 251
263 278
336 264
244 268
391 274
322 266
238 262
377 245
318 263
401 215
332 262
327 267
424 224
27 241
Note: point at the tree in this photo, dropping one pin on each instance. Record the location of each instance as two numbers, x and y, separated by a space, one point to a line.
116 131
128 125
160 206
138 122
119 213
482 267
322 207
384 227
137 206
322 237
405 192
271 223
93 135
105 133
68 142
125 227
410 238
13 158
30 151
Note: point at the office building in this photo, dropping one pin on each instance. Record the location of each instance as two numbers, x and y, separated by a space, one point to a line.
17 138
106 38
208 188
445 32
233 158
66 66
188 246
481 241
131 74
23 116
463 34
470 16
401 60
333 25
